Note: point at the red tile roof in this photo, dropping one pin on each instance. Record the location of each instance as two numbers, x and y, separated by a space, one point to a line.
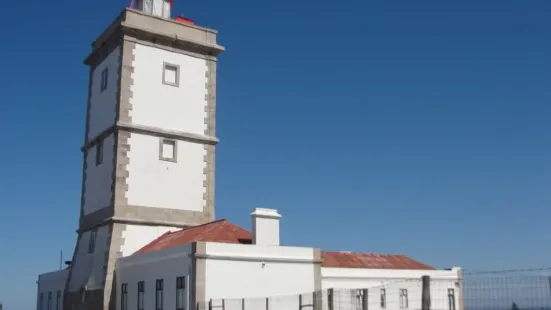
217 231
370 261
226 232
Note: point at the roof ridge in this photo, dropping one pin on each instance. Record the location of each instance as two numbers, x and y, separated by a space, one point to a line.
364 253
201 225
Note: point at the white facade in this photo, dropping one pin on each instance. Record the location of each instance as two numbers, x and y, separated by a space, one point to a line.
254 272
50 290
388 284
87 268
103 100
99 178
177 184
257 270
156 104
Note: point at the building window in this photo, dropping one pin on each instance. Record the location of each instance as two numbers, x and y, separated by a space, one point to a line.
171 74
49 306
99 153
124 296
92 241
58 300
168 150
41 301
159 294
451 299
358 299
383 298
104 79
180 293
82 296
403 298
141 290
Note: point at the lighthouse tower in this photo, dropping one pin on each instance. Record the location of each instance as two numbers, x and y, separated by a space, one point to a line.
149 146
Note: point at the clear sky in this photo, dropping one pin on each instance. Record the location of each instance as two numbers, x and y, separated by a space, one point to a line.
414 127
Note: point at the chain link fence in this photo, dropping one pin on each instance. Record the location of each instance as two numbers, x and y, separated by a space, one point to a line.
470 292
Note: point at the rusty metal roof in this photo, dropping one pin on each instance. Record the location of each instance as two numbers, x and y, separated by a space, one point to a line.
226 232
217 231
370 261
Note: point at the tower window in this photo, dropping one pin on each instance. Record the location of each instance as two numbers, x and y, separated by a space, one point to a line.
49 301
171 74
104 79
168 150
383 298
92 242
99 153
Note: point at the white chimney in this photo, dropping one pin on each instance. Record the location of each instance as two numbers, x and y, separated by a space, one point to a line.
265 226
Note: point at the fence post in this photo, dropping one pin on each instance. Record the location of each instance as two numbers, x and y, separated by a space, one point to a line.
299 301
210 304
243 304
315 300
330 305
365 299
267 303
425 294
223 304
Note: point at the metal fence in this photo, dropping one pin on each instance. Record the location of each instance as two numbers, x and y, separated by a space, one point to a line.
470 292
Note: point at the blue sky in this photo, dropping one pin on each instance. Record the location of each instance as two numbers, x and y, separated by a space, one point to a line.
415 127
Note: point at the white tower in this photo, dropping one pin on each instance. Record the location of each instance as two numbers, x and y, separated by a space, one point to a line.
149 145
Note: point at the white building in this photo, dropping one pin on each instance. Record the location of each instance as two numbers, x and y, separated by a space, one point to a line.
149 172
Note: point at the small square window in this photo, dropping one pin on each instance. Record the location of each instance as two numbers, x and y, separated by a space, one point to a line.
99 153
104 79
171 74
168 150
92 241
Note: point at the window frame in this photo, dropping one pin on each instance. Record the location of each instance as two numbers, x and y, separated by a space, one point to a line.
159 294
404 299
167 65
383 298
99 153
451 299
58 299
92 241
141 293
174 158
49 304
124 296
41 301
180 293
104 79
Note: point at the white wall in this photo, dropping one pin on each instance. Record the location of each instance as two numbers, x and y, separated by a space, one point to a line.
99 179
137 236
148 267
52 282
157 183
392 281
103 104
156 104
257 271
86 265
